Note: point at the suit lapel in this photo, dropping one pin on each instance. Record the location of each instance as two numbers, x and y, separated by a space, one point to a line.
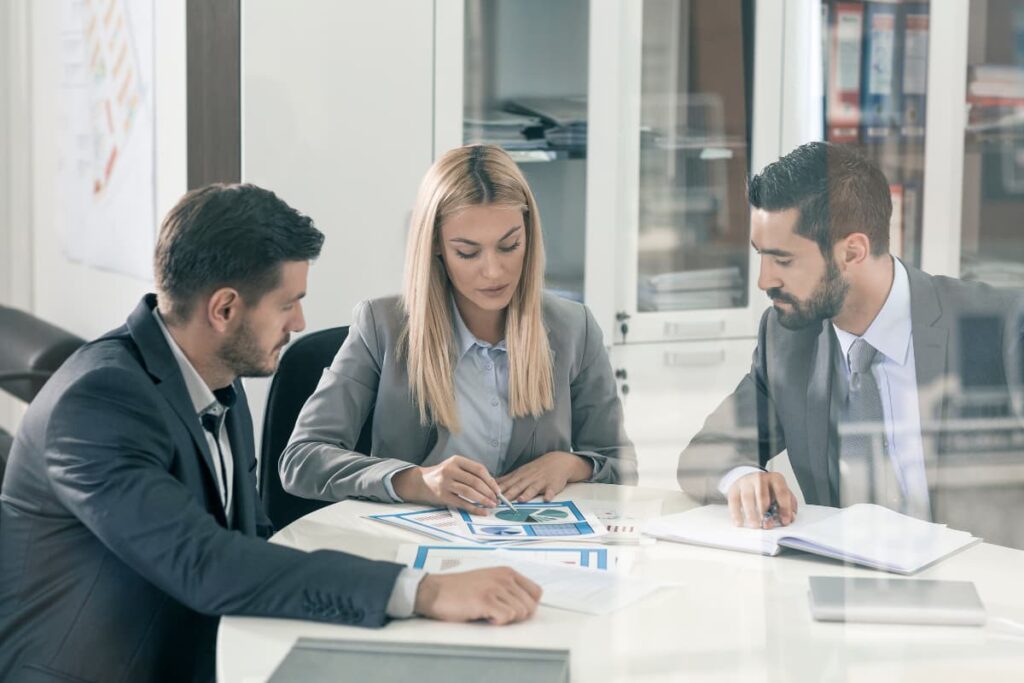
818 413
160 363
931 341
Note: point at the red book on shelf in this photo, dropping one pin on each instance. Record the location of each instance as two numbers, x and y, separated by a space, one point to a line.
844 78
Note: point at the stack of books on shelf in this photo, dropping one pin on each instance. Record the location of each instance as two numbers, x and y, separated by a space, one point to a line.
692 289
510 131
565 119
995 96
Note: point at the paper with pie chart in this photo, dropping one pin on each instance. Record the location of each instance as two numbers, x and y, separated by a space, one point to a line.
557 520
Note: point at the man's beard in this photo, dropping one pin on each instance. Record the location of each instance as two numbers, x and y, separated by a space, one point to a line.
825 302
242 354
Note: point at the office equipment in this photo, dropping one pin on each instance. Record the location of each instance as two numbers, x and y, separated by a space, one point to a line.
844 86
301 366
864 534
895 601
316 659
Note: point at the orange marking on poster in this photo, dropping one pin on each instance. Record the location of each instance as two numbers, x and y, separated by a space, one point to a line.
110 164
109 15
123 92
120 60
110 116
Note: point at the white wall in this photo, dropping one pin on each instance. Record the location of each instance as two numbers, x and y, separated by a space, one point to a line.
337 118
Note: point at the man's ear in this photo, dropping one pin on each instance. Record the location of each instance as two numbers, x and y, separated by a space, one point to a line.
223 307
853 249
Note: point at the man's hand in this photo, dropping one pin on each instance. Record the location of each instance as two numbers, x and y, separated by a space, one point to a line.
546 476
752 494
457 482
499 594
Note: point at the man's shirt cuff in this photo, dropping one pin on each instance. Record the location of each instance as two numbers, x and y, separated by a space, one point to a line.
735 473
403 595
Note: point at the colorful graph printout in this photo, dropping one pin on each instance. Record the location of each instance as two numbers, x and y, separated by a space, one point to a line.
439 558
557 520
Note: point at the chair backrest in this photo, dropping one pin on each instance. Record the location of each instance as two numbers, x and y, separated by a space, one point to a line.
297 375
30 351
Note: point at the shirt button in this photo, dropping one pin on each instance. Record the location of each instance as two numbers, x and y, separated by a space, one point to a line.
494 442
494 401
489 366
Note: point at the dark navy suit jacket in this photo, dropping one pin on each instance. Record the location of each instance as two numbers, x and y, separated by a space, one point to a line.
116 557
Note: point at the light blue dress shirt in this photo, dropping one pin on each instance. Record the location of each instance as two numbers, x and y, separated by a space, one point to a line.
895 372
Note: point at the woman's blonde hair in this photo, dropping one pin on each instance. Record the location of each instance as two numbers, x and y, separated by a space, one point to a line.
464 177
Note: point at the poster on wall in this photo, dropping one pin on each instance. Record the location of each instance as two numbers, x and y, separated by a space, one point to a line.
107 166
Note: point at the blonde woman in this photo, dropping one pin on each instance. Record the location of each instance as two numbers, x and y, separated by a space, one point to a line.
477 380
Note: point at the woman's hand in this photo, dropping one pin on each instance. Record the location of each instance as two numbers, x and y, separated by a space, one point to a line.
546 476
457 482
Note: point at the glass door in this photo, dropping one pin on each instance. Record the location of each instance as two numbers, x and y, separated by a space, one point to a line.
701 69
991 240
525 78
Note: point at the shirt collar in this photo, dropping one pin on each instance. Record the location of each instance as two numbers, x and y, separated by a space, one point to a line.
890 331
465 340
203 399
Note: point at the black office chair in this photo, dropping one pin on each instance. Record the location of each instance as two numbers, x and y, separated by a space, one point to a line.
297 375
31 350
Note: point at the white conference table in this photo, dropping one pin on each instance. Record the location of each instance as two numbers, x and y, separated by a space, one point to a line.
731 617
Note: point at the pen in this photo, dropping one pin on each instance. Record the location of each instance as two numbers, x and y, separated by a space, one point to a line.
505 500
771 514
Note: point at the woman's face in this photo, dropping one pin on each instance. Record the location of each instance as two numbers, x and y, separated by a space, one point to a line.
483 248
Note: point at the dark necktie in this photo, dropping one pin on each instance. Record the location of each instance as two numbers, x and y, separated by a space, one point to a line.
866 471
211 423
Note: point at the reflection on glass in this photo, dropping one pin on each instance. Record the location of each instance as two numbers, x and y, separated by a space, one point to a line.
525 64
694 230
992 245
876 74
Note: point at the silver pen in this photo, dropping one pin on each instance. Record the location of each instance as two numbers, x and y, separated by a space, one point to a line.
505 500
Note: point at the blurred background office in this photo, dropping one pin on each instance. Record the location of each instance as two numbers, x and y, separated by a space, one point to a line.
635 122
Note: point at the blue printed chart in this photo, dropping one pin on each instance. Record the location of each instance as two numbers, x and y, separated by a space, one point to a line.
556 520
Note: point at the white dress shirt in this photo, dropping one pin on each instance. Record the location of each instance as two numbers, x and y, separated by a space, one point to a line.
895 371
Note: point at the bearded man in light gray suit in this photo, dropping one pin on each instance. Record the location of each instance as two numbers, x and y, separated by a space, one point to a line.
882 383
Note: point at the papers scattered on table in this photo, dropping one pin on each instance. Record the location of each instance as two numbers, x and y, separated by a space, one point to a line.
863 534
435 558
434 522
554 521
622 519
566 586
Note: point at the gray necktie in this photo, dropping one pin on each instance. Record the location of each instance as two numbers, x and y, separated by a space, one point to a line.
865 471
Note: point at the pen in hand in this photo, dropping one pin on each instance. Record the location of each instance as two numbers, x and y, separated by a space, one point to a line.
505 501
771 515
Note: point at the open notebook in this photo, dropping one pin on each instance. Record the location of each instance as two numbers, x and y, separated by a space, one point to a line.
864 534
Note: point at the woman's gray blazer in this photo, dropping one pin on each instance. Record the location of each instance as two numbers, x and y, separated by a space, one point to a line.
319 461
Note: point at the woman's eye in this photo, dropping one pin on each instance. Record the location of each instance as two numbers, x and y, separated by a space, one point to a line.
510 248
465 255
783 262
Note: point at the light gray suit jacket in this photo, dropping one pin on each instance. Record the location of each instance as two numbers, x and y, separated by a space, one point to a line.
367 374
967 352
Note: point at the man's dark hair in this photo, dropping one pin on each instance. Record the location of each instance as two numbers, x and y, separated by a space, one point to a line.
837 190
228 236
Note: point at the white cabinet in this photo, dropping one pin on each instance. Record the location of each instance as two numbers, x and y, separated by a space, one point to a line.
636 124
